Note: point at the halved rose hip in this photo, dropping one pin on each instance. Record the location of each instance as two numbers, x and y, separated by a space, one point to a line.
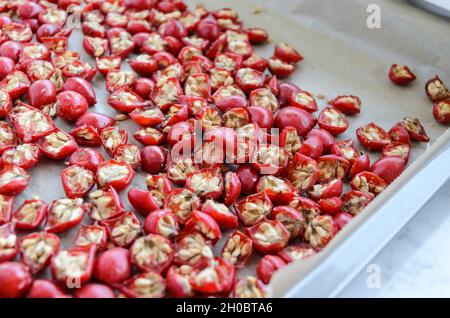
441 111
86 135
37 250
25 156
8 243
303 100
77 181
362 163
120 42
309 208
204 224
228 97
320 231
177 280
270 159
182 202
166 92
113 137
290 140
114 173
206 183
348 104
280 68
296 252
42 94
147 117
58 145
249 287
161 222
43 288
30 214
249 79
333 121
388 168
332 188
373 137
341 219
232 187
145 285
113 266
302 172
268 237
436 89
346 149
401 75
197 85
29 123
13 180
398 149
177 170
219 77
128 153
73 266
332 167
124 100
257 35
152 253
286 53
256 62
106 204
267 266
237 248
65 214
280 191
123 229
354 201
291 219
91 234
95 46
5 103
213 276
106 64
415 129
253 208
221 214
192 248
368 182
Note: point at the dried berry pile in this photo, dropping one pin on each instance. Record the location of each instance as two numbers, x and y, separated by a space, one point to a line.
276 193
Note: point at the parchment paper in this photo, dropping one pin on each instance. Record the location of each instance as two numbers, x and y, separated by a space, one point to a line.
342 56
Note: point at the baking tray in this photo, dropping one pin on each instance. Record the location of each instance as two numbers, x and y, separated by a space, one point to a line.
342 56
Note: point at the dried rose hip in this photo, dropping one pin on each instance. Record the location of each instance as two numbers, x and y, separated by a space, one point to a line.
441 111
398 149
214 276
291 219
204 224
191 248
182 202
320 231
253 208
152 253
297 252
71 105
37 250
6 206
145 285
105 203
333 121
348 104
8 243
436 89
399 134
15 279
65 214
24 156
368 182
91 234
206 183
13 180
269 237
249 287
280 68
332 167
332 188
302 172
112 138
267 266
57 145
224 217
113 266
232 187
286 53
373 137
115 174
415 129
177 280
354 201
401 75
362 163
346 149
123 229
295 117
30 214
74 265
161 222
